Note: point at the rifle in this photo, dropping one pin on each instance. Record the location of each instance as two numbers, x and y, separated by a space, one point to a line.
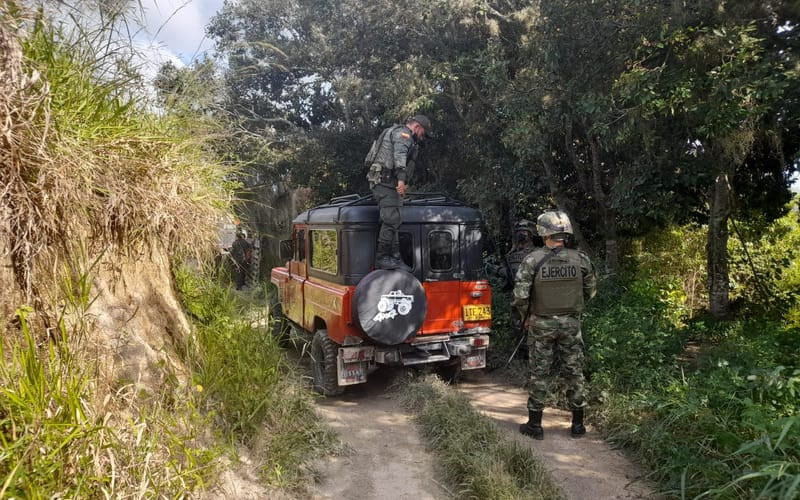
521 331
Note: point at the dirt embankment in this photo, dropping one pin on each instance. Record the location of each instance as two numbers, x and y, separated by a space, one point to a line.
386 458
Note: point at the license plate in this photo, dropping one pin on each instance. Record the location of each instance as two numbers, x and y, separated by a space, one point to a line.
474 360
477 312
352 373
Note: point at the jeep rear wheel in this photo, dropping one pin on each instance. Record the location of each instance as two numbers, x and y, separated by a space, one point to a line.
323 364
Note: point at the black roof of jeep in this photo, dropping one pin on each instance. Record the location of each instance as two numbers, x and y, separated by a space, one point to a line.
417 208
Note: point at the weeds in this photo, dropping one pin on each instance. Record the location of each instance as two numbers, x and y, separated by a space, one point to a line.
248 384
474 454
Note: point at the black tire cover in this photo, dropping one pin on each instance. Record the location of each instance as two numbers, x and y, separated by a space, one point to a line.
389 306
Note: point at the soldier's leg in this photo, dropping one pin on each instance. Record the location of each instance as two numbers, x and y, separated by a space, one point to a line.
389 203
570 345
541 353
541 349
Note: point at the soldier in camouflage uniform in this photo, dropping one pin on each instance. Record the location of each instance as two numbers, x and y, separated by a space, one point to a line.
551 286
391 161
523 245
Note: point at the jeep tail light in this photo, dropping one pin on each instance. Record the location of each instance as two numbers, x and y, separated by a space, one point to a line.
479 341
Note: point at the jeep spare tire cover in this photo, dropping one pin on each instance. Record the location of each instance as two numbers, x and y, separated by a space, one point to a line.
389 306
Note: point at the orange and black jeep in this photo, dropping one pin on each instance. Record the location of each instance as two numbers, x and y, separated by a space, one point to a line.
439 314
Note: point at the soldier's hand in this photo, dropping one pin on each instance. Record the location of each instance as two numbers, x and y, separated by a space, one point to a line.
401 188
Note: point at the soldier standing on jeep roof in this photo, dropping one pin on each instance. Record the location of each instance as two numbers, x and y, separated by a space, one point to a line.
551 286
391 161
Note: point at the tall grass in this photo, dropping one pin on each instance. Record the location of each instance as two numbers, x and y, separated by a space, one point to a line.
476 457
248 384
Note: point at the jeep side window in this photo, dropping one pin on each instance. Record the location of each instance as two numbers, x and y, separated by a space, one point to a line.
406 248
324 250
300 246
441 250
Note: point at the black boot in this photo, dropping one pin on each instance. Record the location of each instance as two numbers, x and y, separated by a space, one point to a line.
577 429
400 264
533 427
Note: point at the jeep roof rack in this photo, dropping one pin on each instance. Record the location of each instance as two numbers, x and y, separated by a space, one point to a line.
413 198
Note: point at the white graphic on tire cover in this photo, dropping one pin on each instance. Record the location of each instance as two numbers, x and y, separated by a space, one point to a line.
392 304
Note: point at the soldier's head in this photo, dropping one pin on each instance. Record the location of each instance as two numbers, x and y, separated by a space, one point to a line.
420 126
554 226
524 232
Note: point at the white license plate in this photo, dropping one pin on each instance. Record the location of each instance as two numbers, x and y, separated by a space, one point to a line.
474 360
352 373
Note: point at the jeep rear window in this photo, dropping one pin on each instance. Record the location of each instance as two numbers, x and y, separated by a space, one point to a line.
324 250
406 248
441 250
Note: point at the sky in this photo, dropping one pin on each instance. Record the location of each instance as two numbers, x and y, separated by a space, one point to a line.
173 30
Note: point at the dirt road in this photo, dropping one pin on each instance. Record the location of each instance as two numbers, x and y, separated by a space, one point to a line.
387 460
586 468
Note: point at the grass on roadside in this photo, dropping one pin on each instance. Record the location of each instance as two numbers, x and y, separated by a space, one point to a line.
248 384
474 454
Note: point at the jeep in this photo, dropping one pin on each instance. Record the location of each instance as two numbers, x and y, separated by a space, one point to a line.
358 317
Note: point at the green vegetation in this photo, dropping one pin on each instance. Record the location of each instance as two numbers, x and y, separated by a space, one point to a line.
473 453
58 440
711 407
93 181
248 386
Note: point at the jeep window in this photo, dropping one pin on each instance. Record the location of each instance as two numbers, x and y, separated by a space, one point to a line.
324 250
441 250
474 248
300 246
406 248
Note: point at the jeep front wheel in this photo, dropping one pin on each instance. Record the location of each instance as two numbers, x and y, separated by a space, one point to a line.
323 364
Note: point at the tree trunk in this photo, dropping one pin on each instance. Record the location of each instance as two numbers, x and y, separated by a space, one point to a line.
608 215
717 248
564 204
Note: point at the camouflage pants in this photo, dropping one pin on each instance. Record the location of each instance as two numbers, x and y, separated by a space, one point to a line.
555 342
389 203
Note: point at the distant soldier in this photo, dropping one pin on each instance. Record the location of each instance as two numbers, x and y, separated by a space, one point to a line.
241 253
391 161
522 245
551 286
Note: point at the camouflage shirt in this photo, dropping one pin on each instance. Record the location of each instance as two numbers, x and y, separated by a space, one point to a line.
394 158
561 284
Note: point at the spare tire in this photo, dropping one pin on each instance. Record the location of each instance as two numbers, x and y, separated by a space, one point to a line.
389 306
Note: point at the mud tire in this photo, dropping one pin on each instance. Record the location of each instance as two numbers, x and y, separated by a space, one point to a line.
394 324
449 373
323 365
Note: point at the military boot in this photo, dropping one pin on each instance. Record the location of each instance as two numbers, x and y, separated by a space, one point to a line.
401 265
533 427
577 430
386 262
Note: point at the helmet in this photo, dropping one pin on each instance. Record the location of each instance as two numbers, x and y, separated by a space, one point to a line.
525 225
554 222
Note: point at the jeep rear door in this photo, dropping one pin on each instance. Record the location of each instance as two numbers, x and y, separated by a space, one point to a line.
441 276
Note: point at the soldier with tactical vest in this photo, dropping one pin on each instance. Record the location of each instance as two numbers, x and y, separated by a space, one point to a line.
551 286
522 245
391 161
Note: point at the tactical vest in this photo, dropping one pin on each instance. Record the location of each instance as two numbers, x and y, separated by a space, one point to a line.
380 159
559 285
514 258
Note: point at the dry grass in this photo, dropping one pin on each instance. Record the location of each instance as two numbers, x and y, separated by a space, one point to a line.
80 159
